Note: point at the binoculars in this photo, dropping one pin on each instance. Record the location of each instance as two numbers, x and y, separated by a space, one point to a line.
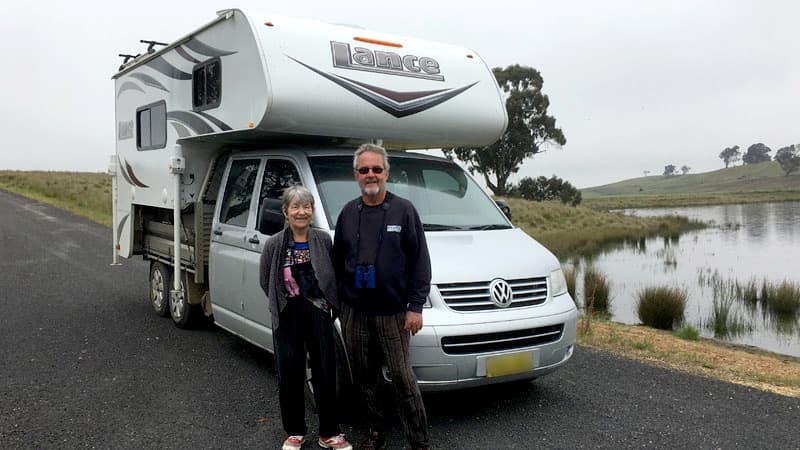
365 277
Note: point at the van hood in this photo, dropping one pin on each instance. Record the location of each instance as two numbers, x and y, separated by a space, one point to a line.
475 256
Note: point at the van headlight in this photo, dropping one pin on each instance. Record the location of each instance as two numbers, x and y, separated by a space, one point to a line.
558 284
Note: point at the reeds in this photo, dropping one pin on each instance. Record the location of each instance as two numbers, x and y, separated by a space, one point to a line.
571 276
661 307
596 291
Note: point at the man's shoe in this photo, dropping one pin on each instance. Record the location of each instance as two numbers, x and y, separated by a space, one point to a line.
293 443
337 442
375 441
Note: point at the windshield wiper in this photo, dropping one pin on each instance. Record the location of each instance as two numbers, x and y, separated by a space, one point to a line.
439 227
494 226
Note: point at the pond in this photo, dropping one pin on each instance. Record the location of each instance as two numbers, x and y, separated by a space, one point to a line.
745 245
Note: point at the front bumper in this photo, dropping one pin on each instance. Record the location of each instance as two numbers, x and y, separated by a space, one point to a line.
437 369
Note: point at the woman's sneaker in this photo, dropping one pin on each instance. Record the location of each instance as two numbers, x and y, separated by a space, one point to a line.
337 442
293 443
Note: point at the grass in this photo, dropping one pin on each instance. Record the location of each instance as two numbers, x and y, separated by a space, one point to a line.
85 194
571 276
782 299
596 291
725 319
742 365
569 231
687 333
661 307
753 178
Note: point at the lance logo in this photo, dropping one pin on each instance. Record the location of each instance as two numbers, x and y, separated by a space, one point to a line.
390 63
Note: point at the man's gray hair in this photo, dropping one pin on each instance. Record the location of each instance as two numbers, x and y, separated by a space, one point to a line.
372 148
296 192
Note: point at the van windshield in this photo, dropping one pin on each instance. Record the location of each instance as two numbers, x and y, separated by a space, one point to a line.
445 197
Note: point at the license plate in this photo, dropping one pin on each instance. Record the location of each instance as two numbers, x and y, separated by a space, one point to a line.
498 366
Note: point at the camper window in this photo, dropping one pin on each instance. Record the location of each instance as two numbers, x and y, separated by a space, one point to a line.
151 126
206 85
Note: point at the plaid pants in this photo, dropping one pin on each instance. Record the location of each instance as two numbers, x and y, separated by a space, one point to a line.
375 341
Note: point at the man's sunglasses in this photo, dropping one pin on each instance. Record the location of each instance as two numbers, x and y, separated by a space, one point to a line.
377 170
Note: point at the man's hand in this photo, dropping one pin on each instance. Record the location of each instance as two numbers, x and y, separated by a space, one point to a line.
413 322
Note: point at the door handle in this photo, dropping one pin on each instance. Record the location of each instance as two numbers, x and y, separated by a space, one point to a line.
254 240
218 232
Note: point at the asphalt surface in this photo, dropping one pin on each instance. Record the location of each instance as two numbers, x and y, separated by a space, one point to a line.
87 364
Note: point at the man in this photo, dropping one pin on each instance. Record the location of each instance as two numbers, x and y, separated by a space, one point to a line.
384 273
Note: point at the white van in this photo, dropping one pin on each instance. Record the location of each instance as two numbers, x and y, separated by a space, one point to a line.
213 127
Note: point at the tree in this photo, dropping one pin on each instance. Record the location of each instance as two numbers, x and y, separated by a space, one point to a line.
646 172
789 158
669 170
757 153
541 189
529 127
685 169
730 155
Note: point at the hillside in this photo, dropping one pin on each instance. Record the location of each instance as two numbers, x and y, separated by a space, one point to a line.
756 177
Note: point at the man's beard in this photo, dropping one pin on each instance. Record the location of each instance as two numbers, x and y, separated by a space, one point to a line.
371 190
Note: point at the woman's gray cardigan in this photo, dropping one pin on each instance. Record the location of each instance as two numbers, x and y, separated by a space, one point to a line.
271 269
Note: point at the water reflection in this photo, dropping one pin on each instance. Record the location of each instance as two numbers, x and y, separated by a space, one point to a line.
747 245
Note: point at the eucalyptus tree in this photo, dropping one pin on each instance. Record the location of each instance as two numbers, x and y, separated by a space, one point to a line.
529 129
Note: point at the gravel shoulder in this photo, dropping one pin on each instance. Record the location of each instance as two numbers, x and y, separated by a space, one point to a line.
746 366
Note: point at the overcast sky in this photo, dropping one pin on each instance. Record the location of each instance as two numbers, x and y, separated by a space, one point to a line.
634 85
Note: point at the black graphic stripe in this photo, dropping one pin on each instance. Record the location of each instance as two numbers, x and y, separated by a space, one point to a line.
129 86
149 81
124 172
132 176
220 124
192 121
377 99
121 226
198 47
161 65
185 55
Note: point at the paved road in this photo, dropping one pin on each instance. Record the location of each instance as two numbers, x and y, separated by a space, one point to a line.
86 364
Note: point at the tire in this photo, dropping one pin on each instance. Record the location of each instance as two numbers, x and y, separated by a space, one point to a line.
183 314
160 285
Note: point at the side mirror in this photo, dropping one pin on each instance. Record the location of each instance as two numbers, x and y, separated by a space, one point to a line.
504 207
270 220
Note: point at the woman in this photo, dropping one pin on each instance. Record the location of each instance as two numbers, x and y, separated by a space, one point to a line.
297 276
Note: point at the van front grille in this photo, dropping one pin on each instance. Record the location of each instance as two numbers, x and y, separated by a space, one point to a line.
476 296
504 340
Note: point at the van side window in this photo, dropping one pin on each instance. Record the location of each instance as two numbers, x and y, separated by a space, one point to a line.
151 126
207 85
238 192
279 174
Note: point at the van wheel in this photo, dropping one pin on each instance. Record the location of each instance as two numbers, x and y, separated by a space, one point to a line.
160 284
183 314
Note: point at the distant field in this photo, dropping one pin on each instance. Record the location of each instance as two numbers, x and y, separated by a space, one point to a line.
749 178
763 182
83 193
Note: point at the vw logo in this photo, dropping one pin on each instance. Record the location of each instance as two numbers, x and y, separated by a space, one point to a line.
500 292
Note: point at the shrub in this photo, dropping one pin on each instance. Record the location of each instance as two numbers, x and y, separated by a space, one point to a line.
661 307
688 333
782 299
596 291
571 275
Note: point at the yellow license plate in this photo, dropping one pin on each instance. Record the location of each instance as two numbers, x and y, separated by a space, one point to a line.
498 366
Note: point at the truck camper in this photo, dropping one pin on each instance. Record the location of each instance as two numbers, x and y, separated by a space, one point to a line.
212 127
